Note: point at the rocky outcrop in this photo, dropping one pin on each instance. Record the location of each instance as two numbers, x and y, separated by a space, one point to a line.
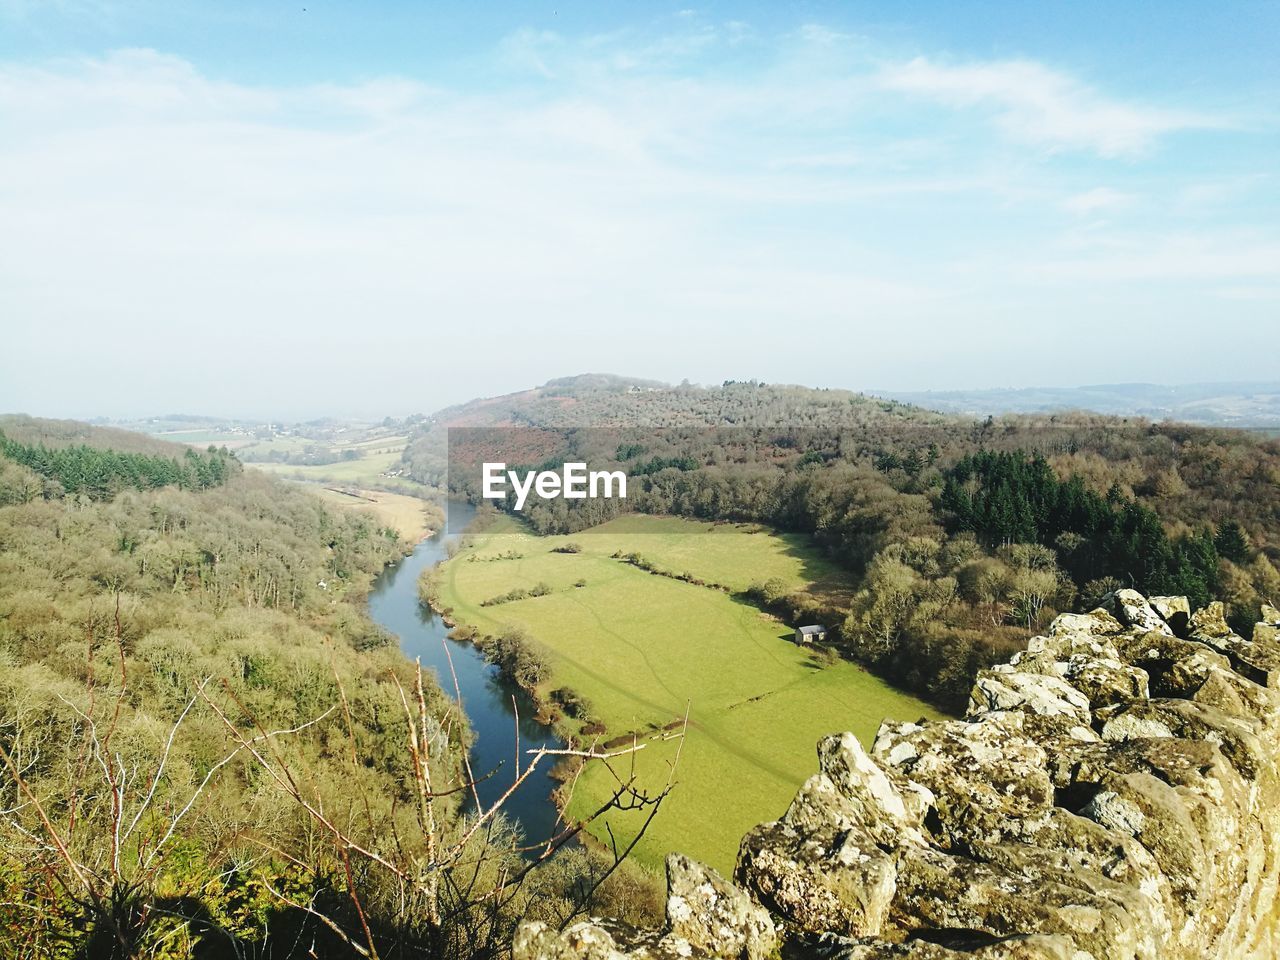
706 917
1111 794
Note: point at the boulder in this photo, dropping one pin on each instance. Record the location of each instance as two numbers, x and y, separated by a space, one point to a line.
708 918
1210 623
1132 609
987 777
713 916
1034 693
586 940
842 883
1175 611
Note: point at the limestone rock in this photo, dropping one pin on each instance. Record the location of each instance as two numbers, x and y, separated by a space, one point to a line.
1097 623
708 918
1022 892
962 945
1104 681
713 916
877 802
1210 623
823 865
839 883
1175 611
1132 609
1011 689
1112 794
987 776
586 940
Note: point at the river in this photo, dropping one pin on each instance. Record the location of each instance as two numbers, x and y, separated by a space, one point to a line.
486 696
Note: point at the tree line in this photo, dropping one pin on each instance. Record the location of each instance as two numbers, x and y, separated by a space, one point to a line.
100 474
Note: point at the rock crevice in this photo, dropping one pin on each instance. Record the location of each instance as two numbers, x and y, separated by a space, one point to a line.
1111 793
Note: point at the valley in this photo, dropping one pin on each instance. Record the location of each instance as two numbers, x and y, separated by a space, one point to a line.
639 647
660 627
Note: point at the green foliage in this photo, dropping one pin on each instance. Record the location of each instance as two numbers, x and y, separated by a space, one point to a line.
518 593
573 703
655 464
1010 498
875 468
253 589
518 656
100 474
1232 542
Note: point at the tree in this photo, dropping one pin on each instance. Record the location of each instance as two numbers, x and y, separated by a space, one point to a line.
1232 542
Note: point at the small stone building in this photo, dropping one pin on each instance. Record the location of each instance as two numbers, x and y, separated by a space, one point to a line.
811 634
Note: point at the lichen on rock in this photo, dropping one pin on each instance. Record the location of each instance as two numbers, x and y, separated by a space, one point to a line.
1111 794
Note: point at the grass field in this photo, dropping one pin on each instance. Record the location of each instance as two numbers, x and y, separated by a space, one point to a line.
641 647
364 471
734 554
378 454
201 438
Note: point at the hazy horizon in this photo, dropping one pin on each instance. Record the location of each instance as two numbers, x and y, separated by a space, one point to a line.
247 211
376 414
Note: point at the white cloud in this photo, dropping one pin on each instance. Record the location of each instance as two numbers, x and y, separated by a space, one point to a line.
1172 258
1095 201
1037 105
656 219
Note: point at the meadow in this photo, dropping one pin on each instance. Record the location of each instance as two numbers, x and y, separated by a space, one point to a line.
369 469
643 648
411 517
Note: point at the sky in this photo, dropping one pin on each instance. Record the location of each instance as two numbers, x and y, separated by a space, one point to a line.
290 210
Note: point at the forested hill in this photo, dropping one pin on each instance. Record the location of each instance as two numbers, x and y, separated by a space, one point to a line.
124 619
100 473
965 533
600 400
55 434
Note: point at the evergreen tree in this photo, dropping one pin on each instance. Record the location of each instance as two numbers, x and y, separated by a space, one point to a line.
1232 542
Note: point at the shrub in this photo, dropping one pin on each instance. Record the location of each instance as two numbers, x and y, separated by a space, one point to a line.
519 657
574 704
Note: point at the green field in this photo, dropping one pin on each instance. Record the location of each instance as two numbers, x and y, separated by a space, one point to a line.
640 647
379 454
366 471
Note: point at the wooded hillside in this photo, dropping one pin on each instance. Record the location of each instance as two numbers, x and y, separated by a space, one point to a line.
208 749
965 535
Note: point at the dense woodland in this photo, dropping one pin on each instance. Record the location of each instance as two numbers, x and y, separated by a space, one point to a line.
100 473
193 706
962 535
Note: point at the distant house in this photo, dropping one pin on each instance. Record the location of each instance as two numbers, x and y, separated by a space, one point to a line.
810 634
